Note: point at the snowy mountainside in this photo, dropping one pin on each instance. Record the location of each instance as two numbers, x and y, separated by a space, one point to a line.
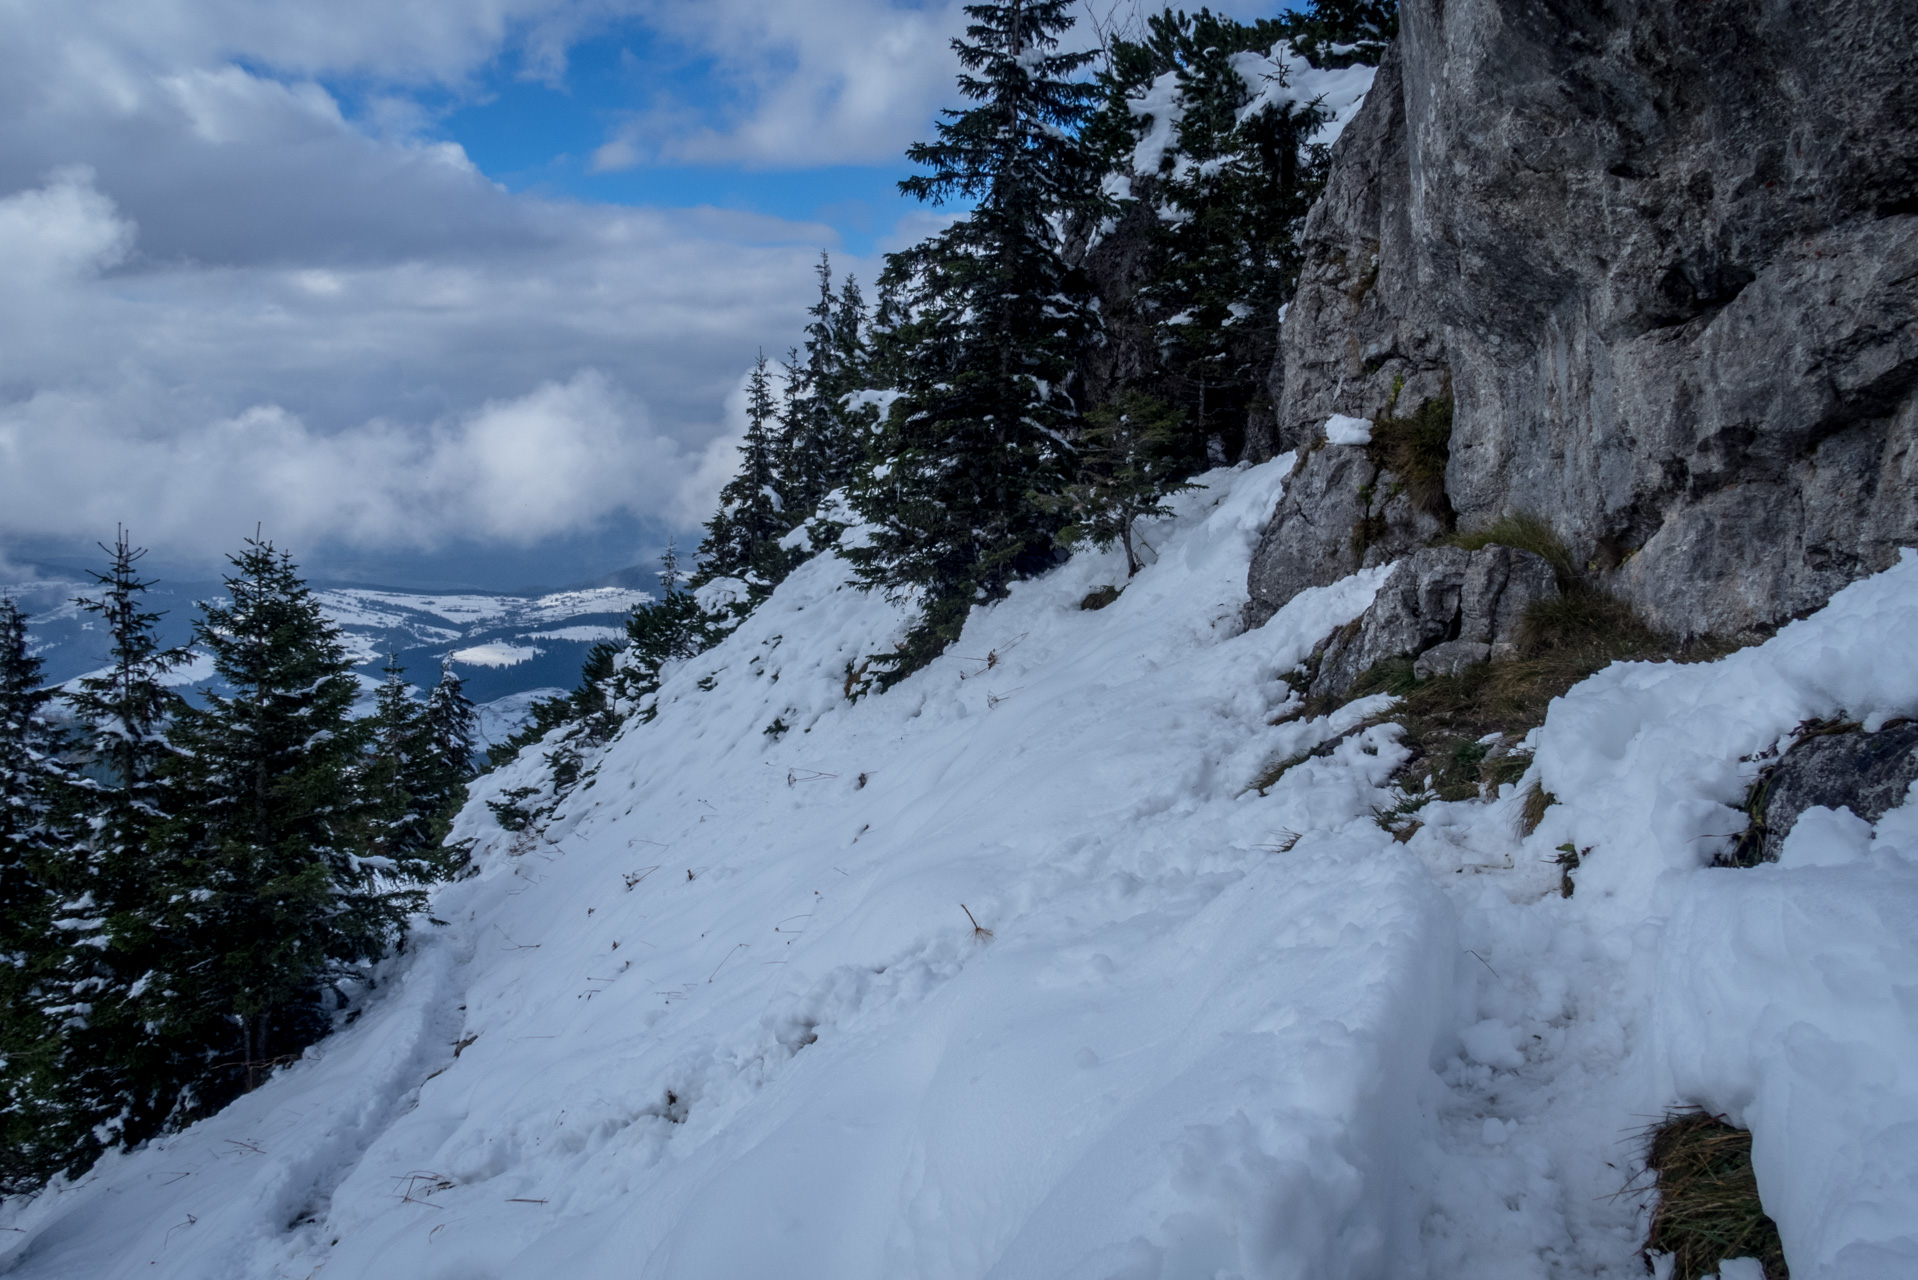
508 648
726 1016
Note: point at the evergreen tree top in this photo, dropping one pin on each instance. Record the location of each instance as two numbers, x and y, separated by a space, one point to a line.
21 693
1020 141
128 703
271 635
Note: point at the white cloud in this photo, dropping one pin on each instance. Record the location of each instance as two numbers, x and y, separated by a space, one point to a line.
591 372
814 82
59 231
558 459
224 301
825 81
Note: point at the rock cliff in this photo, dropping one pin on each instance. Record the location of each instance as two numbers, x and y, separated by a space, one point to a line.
1659 259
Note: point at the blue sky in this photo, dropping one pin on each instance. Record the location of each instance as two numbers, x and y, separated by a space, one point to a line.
539 135
535 136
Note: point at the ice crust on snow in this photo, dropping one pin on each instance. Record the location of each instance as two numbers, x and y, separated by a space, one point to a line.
724 1015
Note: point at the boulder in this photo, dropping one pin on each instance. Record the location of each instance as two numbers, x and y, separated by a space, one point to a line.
1868 773
1446 607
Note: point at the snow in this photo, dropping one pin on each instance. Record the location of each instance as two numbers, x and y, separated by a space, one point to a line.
1340 429
1162 106
725 1014
496 653
197 667
721 593
1280 77
879 400
501 718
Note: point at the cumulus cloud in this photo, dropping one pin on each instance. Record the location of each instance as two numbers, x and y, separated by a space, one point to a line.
514 471
818 82
224 299
502 396
61 230
813 81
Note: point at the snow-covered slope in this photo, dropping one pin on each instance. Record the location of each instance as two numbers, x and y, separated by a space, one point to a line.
727 1016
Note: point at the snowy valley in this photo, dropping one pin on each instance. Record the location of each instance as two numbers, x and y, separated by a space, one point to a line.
508 649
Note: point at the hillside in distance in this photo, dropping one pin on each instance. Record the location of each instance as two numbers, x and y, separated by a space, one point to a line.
507 648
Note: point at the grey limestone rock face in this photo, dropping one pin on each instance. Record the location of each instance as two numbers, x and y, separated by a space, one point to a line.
1341 512
1664 258
1447 607
1359 336
1308 542
1868 773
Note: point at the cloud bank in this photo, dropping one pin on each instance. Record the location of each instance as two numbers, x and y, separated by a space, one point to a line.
226 299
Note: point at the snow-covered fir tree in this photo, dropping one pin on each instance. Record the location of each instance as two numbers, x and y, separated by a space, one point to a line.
994 319
412 788
116 875
453 724
1228 197
820 443
278 893
742 538
29 840
1127 462
662 631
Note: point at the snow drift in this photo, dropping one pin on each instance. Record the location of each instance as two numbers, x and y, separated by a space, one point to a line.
728 1014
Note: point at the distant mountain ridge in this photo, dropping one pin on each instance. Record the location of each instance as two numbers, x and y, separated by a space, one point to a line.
507 647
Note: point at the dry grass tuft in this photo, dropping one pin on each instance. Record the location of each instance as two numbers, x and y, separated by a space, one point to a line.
1537 801
1523 533
1416 449
1708 1208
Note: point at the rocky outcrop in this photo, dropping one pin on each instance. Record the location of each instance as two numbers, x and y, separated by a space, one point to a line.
1868 773
1359 336
1663 257
1446 606
1341 512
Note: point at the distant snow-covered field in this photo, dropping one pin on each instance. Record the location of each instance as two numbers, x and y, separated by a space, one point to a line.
507 648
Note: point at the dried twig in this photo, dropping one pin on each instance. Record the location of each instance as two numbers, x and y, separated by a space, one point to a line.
737 946
979 931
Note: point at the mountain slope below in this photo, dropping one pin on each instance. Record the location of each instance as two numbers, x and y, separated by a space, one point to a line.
725 1015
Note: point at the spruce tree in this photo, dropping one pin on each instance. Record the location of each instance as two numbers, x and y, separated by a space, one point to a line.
742 538
1230 196
277 903
116 877
994 321
454 726
849 335
661 631
820 440
412 791
1128 462
29 838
